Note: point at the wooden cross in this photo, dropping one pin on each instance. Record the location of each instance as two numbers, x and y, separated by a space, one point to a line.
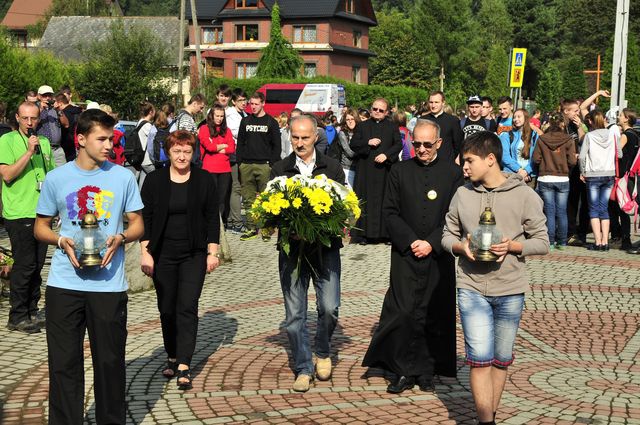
596 71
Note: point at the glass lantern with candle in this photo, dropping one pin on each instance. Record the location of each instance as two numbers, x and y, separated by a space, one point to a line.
89 242
484 236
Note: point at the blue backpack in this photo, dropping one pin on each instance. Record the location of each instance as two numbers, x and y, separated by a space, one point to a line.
331 133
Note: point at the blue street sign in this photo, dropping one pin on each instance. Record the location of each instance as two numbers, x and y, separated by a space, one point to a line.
518 59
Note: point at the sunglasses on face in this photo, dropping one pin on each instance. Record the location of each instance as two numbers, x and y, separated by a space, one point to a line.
378 110
427 145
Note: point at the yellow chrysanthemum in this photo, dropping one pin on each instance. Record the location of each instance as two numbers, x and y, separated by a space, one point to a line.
297 203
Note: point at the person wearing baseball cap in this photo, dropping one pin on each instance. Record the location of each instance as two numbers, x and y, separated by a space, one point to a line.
49 125
474 122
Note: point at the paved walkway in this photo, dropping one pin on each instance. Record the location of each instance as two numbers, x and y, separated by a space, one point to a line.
577 352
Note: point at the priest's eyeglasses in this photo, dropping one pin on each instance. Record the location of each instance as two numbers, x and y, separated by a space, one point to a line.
427 145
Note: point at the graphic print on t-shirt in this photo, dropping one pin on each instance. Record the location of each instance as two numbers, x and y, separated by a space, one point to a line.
89 199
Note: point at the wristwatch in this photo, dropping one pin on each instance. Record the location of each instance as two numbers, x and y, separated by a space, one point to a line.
124 238
215 254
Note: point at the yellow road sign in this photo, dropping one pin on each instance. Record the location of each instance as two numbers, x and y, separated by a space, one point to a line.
518 60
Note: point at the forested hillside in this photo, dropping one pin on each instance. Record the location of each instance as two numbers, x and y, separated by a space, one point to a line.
470 40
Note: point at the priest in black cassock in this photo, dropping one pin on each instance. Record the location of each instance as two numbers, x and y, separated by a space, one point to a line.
377 144
416 336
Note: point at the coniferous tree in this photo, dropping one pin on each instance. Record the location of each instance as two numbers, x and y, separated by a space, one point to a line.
279 59
496 82
549 89
574 82
445 27
398 60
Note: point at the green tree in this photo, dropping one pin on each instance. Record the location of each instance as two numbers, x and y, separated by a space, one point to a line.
574 83
536 26
150 7
586 41
28 71
4 6
496 79
445 27
279 59
549 89
127 67
496 24
632 82
68 8
399 60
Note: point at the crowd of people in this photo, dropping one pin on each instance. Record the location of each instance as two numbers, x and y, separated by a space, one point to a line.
423 175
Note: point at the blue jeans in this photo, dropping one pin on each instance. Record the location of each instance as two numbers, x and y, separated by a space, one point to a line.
598 193
350 175
294 288
489 325
555 197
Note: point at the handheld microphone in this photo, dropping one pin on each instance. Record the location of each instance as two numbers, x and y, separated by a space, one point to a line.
31 132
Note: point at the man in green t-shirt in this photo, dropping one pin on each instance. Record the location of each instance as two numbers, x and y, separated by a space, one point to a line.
25 159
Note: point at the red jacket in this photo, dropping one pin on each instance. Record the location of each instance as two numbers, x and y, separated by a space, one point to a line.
212 160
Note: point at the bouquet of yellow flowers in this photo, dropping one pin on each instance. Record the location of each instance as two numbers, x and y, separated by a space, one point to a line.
309 209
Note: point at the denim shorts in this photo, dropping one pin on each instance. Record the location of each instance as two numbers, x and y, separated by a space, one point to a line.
489 325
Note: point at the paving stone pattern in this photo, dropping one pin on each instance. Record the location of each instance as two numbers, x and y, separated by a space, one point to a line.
576 352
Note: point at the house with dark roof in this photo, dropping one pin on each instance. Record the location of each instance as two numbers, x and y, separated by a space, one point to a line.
332 36
22 14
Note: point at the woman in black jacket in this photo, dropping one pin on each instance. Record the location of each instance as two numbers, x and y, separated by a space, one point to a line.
180 244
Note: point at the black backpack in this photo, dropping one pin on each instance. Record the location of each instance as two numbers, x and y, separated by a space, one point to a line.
133 150
335 150
159 156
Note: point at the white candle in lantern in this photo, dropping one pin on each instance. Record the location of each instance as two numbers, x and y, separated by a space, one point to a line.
486 240
88 243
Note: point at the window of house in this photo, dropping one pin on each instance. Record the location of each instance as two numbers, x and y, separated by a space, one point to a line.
350 7
304 34
310 70
21 40
212 35
247 32
357 39
355 73
215 67
242 4
246 70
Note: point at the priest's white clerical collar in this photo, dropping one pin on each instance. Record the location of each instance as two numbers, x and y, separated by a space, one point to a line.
429 162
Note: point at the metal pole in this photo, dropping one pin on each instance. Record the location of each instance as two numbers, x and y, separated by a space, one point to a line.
619 68
196 30
598 75
180 101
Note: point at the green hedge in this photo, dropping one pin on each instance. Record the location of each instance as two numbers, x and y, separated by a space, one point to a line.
358 95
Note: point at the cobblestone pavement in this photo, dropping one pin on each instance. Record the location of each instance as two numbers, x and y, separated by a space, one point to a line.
577 352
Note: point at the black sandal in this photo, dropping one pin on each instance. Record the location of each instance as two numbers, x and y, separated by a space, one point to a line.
170 369
184 374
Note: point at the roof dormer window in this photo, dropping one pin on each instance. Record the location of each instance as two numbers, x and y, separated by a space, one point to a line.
350 6
246 4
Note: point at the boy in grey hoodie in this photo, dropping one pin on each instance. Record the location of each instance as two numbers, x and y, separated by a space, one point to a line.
491 294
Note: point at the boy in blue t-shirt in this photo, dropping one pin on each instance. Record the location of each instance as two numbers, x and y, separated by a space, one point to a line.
88 298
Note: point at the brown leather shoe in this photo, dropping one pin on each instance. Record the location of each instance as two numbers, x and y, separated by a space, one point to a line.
323 369
302 383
